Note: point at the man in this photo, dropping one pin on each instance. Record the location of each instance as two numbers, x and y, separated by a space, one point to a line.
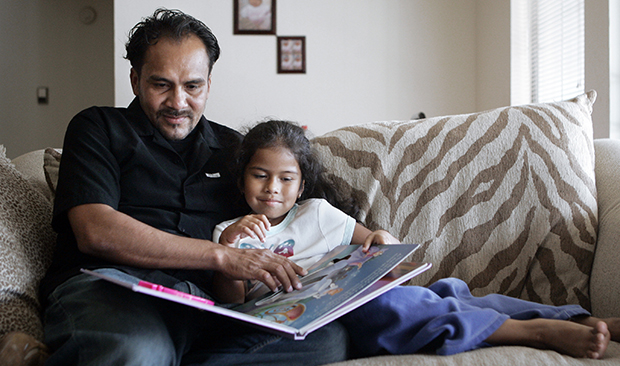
140 190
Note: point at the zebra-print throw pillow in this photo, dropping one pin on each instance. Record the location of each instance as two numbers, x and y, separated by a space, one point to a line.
504 199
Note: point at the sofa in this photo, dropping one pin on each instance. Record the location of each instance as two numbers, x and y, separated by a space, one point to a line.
518 200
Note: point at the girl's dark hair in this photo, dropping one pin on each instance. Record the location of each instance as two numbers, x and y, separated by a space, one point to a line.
274 133
168 23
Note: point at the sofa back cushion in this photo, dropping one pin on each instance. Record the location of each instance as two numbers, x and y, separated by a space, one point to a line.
504 199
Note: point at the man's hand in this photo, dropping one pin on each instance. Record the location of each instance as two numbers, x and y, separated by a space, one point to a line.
263 265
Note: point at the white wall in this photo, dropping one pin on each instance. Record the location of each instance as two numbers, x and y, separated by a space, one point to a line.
492 54
597 62
367 60
43 43
614 63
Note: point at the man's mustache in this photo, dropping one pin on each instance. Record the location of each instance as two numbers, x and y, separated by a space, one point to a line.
169 112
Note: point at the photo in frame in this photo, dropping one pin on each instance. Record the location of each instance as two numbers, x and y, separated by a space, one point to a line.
254 16
291 55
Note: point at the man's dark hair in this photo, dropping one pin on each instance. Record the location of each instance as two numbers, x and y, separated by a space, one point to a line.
168 23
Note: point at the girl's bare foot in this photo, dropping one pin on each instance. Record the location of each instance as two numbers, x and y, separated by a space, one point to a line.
613 325
569 338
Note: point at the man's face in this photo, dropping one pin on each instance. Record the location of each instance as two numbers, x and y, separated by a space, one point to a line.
173 85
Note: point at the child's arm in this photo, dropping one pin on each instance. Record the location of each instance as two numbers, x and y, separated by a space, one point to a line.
255 226
366 238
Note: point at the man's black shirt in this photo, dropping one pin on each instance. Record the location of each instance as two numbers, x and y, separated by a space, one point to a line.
115 156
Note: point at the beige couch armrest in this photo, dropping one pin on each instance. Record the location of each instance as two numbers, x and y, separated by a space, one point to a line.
605 278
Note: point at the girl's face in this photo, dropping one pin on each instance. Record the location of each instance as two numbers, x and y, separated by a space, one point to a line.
272 183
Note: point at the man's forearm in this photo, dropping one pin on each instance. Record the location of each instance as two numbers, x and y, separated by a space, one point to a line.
104 232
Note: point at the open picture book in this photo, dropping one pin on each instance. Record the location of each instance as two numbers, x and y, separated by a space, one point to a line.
341 281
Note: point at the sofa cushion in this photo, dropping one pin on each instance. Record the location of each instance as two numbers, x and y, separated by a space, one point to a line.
51 164
491 356
504 199
30 166
26 245
604 285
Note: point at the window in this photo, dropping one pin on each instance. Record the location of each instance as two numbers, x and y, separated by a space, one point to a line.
547 50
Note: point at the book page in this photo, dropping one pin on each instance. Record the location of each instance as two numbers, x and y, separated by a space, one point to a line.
345 273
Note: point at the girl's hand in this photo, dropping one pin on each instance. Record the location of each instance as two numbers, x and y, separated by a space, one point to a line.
378 237
254 226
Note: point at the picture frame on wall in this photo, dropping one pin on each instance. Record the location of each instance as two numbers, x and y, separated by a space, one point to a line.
254 16
291 55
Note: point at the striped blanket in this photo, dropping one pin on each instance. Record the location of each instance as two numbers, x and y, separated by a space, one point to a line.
504 199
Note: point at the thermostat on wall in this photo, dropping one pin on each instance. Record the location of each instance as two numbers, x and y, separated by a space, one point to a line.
42 95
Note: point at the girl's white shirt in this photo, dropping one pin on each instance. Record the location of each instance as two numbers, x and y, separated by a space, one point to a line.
310 229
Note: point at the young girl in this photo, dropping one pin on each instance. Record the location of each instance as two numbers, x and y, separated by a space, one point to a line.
285 185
